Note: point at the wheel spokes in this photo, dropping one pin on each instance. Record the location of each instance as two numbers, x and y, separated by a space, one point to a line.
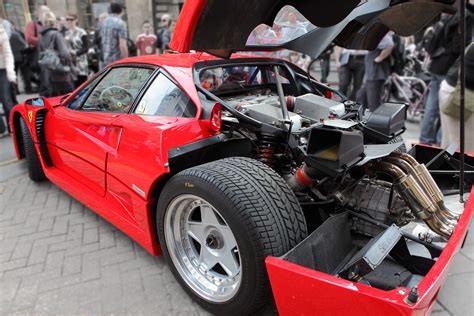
196 231
229 262
229 238
207 258
208 216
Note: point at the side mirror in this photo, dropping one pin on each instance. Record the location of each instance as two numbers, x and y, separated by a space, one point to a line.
39 102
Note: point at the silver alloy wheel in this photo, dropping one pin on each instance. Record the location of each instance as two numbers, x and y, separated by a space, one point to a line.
203 248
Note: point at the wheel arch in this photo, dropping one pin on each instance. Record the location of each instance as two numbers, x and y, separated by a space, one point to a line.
232 147
17 135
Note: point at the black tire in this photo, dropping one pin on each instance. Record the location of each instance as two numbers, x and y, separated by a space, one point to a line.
35 170
403 147
260 209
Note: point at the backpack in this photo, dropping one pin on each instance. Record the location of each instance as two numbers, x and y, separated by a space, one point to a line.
50 59
441 38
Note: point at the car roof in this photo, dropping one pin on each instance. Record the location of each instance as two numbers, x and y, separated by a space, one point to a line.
169 60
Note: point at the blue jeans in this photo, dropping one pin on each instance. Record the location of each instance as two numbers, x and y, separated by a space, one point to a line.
431 123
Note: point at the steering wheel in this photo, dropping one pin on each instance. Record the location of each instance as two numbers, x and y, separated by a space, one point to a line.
115 97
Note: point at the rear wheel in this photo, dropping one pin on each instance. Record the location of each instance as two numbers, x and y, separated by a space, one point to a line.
35 170
217 222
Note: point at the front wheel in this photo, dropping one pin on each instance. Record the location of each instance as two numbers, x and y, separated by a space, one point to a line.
35 170
216 224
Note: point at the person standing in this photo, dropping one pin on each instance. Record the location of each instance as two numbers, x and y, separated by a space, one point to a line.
351 68
442 44
59 81
114 35
377 70
7 77
32 37
97 43
449 96
78 44
325 63
18 46
146 42
163 36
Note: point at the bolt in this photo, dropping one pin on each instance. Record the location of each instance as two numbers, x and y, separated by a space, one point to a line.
413 295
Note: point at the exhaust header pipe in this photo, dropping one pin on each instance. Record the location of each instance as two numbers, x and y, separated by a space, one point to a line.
417 188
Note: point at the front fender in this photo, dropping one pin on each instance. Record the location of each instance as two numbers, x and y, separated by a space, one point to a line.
27 111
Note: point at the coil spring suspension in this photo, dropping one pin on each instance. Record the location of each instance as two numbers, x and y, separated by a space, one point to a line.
266 149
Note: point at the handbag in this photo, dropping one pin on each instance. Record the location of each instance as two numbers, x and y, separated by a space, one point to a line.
50 59
453 106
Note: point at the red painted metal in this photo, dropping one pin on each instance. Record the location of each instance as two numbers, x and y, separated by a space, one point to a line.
184 31
302 291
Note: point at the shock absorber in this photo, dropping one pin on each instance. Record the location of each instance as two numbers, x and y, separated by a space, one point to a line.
266 149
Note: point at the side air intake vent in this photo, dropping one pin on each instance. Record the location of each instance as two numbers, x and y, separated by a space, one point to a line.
39 124
40 117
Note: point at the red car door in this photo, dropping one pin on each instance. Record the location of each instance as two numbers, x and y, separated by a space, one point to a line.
79 144
80 134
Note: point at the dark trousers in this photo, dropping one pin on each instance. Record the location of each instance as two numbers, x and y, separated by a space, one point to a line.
353 72
370 94
6 99
30 70
61 88
374 90
325 64
45 86
26 74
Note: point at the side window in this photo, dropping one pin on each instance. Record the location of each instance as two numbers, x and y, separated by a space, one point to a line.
79 98
164 98
118 89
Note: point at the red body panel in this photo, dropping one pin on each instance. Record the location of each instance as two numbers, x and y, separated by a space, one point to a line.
184 31
302 291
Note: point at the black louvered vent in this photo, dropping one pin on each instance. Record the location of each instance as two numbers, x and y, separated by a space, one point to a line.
40 117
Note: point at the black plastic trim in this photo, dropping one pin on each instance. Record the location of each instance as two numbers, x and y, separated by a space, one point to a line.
181 150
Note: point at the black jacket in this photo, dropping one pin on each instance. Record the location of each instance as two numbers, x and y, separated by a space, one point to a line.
51 35
446 47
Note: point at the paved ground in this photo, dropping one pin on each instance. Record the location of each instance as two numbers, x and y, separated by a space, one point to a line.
58 257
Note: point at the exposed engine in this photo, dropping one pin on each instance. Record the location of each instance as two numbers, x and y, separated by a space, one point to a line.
397 190
331 146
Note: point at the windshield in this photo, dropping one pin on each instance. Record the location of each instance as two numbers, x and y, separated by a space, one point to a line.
238 77
288 25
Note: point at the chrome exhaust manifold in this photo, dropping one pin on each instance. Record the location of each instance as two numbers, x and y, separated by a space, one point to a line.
417 188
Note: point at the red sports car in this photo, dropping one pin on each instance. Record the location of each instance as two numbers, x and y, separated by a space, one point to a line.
251 177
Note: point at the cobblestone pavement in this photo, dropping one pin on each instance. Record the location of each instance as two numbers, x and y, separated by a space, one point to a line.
58 257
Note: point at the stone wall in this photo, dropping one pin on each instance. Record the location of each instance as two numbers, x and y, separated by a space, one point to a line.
137 12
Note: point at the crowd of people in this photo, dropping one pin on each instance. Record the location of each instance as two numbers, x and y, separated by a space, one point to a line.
52 53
